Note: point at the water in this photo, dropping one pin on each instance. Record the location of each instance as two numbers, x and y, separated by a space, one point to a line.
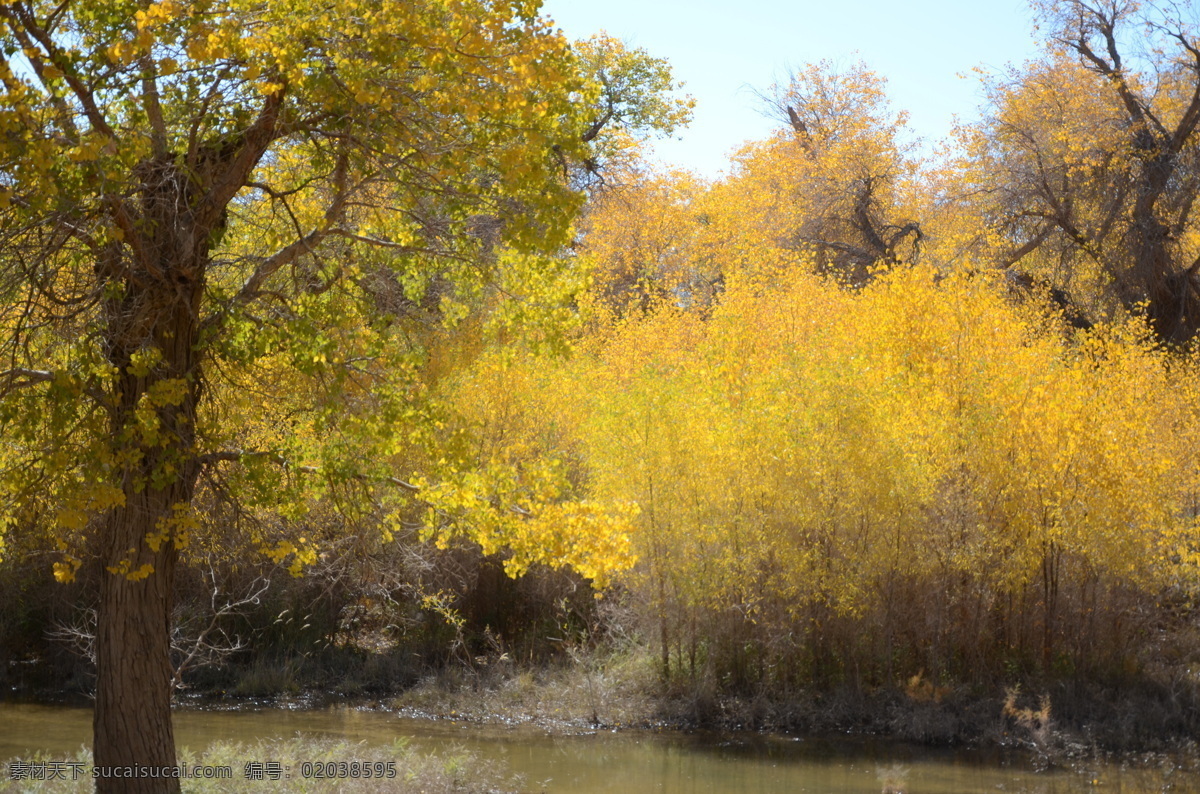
630 762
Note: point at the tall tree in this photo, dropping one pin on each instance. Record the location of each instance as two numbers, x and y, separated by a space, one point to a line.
1091 157
188 193
843 163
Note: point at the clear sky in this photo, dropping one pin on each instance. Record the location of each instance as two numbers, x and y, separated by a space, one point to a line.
724 49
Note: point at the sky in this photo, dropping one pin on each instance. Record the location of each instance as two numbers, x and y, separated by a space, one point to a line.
724 51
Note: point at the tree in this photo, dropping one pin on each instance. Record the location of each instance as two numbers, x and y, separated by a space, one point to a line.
634 101
641 240
1091 159
842 168
195 203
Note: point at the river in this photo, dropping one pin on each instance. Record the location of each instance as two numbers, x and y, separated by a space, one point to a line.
626 761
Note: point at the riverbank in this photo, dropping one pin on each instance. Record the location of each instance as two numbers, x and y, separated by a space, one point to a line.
1060 723
605 689
619 689
293 746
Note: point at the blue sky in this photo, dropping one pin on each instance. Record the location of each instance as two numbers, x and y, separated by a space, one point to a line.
725 50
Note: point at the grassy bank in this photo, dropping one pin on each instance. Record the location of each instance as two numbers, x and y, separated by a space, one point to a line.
1059 720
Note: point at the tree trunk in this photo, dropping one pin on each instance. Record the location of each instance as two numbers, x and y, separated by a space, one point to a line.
151 335
132 722
1170 291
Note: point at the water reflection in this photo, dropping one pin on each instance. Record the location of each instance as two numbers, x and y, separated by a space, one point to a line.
628 761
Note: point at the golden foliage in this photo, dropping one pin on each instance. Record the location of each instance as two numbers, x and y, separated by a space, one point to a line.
808 455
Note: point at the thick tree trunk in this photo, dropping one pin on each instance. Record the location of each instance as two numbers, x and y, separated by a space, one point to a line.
134 741
152 333
1170 290
1154 267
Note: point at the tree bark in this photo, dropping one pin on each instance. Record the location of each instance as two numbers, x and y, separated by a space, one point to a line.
155 312
132 720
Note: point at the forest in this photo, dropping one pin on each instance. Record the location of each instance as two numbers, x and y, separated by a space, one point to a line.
348 347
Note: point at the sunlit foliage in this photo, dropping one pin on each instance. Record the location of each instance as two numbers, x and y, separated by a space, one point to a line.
231 235
279 279
918 475
833 182
1088 163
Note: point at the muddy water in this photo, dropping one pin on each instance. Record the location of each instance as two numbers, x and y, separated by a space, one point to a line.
629 761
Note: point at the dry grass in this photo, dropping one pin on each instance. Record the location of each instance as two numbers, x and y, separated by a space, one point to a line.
613 689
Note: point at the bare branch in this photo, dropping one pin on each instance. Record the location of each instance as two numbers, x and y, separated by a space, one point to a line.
213 92
594 130
375 241
198 650
304 245
801 128
269 266
1027 248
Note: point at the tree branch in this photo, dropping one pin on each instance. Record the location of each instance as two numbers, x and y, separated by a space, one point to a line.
19 377
304 245
158 127
251 147
240 456
1026 249
1113 68
39 68
802 133
591 132
200 643
285 256
20 15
